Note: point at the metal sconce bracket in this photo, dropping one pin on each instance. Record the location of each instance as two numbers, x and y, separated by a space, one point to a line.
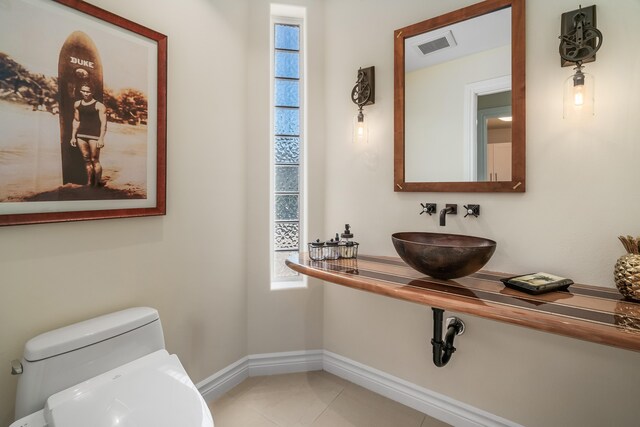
364 92
579 37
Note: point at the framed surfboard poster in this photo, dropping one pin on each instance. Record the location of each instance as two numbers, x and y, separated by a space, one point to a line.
82 114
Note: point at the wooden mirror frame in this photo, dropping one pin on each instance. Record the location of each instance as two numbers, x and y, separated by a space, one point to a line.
518 157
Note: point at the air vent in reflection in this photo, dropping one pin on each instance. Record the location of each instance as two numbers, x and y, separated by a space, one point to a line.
432 46
441 41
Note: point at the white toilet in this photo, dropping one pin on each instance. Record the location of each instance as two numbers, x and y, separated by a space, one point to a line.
108 371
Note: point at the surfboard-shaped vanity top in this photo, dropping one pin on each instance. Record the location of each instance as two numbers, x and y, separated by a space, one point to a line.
589 313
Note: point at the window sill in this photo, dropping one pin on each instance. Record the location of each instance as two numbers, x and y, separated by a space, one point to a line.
290 284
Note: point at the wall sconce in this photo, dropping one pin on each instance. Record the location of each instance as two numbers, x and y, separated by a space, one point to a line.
363 93
579 42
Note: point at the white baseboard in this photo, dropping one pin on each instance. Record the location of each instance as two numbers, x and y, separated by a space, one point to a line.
257 365
224 380
419 398
285 363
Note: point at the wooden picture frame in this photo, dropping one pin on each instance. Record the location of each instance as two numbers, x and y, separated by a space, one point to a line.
87 141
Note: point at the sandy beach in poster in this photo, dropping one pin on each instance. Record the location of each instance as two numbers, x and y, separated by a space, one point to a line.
30 159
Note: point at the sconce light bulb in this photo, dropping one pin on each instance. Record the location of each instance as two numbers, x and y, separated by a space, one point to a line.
360 125
360 131
578 95
578 87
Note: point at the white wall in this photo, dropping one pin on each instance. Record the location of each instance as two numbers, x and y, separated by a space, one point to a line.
581 194
187 264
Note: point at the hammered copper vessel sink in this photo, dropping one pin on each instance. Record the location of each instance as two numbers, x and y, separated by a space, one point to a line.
443 256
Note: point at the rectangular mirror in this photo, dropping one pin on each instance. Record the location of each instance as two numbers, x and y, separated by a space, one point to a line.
460 101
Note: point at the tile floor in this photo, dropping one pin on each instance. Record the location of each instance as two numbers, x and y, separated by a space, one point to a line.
315 398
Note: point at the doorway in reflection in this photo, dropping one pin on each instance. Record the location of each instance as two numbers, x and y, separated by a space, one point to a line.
494 137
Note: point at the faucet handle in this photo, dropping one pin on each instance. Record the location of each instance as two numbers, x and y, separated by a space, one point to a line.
472 210
429 208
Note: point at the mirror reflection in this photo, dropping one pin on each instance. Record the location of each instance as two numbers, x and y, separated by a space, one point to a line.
458 101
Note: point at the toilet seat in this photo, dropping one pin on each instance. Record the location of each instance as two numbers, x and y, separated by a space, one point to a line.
151 391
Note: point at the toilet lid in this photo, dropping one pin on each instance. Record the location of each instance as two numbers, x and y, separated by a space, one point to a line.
153 391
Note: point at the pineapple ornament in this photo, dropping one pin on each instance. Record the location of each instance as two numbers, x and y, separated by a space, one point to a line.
627 271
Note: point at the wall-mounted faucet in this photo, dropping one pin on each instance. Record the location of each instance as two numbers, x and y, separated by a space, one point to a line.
449 209
429 208
473 210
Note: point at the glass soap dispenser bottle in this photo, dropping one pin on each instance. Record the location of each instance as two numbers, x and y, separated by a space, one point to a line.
348 248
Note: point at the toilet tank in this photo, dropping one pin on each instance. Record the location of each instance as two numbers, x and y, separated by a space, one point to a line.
61 358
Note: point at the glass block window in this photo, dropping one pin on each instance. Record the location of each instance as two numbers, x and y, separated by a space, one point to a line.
287 146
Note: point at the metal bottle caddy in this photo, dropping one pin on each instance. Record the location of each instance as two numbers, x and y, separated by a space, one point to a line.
337 248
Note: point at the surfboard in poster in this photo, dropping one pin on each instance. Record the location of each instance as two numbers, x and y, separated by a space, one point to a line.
78 64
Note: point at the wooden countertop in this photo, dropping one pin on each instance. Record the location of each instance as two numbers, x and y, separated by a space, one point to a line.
585 312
